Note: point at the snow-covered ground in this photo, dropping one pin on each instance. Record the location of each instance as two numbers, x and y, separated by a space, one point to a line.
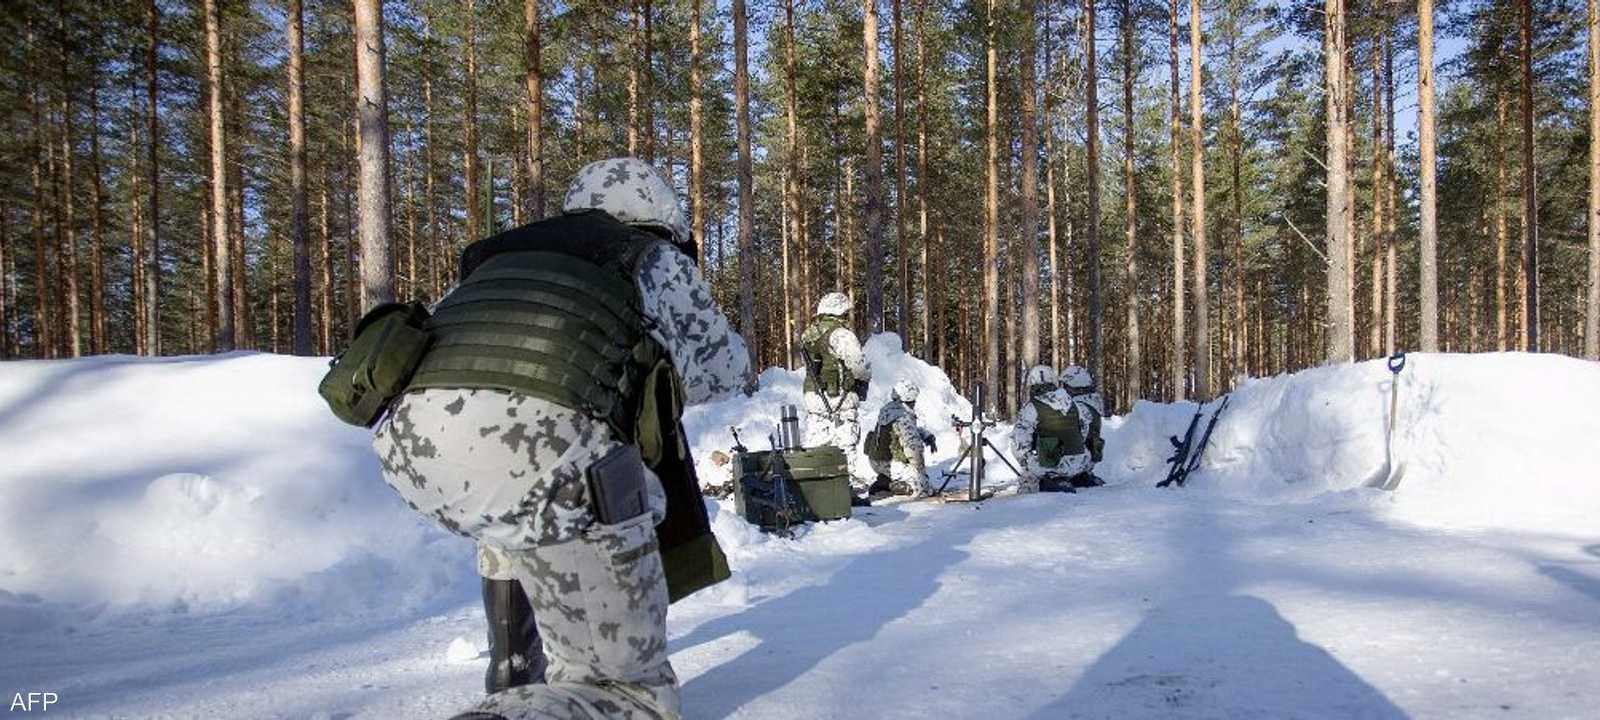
196 537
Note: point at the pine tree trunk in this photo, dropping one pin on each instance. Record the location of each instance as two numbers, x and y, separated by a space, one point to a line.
928 310
300 230
1202 319
152 249
136 249
697 163
1591 331
1339 338
1375 316
741 104
1179 339
1028 234
534 80
1130 191
5 284
873 175
43 324
1530 191
470 123
68 236
1091 80
372 112
1390 238
325 272
791 187
1429 233
225 338
991 227
902 318
438 258
97 261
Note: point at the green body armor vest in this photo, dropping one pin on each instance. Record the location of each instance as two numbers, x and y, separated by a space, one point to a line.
551 310
1057 434
883 443
825 372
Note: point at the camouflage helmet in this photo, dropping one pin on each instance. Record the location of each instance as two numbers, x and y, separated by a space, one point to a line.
906 391
1040 380
834 303
631 191
1076 377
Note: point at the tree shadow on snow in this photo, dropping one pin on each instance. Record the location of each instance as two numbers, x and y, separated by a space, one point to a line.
1210 651
800 630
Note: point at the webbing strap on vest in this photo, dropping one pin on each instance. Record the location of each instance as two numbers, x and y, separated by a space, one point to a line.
825 372
1057 434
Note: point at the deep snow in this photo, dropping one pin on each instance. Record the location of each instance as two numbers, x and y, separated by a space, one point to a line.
197 537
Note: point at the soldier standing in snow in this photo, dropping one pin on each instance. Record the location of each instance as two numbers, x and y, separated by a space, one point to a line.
1079 384
836 376
1048 436
896 445
545 422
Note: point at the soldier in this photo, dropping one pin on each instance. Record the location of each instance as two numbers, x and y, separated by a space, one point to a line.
836 376
1079 384
1048 436
545 422
896 445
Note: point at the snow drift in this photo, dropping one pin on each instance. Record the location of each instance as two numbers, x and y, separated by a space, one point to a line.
1491 440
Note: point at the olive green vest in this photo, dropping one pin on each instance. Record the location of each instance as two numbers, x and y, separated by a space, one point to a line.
883 443
1057 434
825 372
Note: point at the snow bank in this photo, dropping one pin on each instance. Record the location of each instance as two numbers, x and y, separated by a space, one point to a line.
199 484
1489 440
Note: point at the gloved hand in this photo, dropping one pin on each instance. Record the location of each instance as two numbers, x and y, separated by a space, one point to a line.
860 389
928 439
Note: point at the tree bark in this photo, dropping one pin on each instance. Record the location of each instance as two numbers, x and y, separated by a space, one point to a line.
1591 331
792 184
873 176
1130 191
1091 80
1179 341
1028 234
991 226
1050 199
43 306
97 262
372 112
1202 320
635 49
534 80
221 252
697 164
152 250
741 104
68 236
325 270
300 230
1339 339
470 123
1391 255
1428 236
1375 316
928 309
902 318
1530 191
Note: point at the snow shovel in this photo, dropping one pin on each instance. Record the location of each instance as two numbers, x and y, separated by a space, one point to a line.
1388 477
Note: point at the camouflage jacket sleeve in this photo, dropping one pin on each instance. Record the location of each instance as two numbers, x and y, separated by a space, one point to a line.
848 350
709 356
910 438
1022 431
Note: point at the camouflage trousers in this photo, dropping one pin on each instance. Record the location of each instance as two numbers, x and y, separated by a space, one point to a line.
508 471
907 473
1068 466
833 421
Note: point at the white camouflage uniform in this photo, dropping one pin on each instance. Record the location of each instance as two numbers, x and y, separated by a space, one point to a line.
836 421
1022 443
895 417
509 470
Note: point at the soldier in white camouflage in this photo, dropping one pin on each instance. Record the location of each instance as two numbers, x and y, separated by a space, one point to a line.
1079 383
836 376
570 340
897 446
1048 436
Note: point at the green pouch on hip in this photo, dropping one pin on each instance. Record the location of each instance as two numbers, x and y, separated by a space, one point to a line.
389 343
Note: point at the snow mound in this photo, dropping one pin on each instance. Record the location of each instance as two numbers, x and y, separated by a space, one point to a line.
1489 440
200 484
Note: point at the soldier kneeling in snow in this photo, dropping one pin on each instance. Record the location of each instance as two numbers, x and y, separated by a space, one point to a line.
1049 437
896 444
545 422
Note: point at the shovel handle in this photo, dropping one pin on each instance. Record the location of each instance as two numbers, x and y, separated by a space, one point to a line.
1397 362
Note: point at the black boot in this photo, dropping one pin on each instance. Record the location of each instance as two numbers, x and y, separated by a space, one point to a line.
515 655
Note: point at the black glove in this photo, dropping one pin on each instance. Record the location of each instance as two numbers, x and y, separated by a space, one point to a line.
860 389
928 439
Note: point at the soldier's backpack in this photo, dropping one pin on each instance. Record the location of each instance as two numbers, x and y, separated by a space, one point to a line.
390 341
879 445
825 374
1057 434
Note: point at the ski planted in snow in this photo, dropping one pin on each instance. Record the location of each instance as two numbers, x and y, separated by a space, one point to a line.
1186 452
